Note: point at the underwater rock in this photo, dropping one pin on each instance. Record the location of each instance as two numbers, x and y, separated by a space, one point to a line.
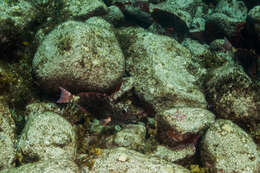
132 136
83 9
15 18
179 155
178 126
202 55
46 136
156 63
7 137
227 148
229 18
79 57
220 54
182 16
254 19
33 109
53 166
232 94
114 15
120 160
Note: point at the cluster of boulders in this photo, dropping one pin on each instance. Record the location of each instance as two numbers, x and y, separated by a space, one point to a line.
178 100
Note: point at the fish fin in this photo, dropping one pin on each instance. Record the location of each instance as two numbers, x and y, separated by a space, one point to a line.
65 96
227 44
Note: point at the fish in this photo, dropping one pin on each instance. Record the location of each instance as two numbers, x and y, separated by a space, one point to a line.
65 96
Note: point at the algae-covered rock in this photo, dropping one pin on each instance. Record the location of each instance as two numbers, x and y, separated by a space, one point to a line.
228 17
132 137
53 166
254 18
232 94
178 125
176 155
15 18
79 56
165 76
83 9
47 135
227 148
7 137
121 160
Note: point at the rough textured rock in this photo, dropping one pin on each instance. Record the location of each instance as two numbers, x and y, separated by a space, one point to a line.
203 55
121 160
227 148
228 17
14 18
174 155
46 136
7 137
182 16
232 94
254 18
131 137
34 109
176 10
178 125
156 70
79 56
53 166
83 9
69 9
114 15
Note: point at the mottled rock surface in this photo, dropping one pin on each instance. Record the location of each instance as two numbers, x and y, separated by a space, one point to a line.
203 55
177 125
227 148
48 166
254 18
131 137
114 15
232 94
7 137
156 63
83 9
174 155
14 18
79 56
47 136
228 17
121 160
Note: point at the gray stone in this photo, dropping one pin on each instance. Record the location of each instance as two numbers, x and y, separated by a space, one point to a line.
121 160
227 148
48 166
254 18
83 9
79 56
229 17
178 125
15 18
232 94
156 63
174 155
132 137
7 137
47 136
114 15
34 109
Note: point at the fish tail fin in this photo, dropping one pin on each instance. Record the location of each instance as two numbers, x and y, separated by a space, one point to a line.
65 96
